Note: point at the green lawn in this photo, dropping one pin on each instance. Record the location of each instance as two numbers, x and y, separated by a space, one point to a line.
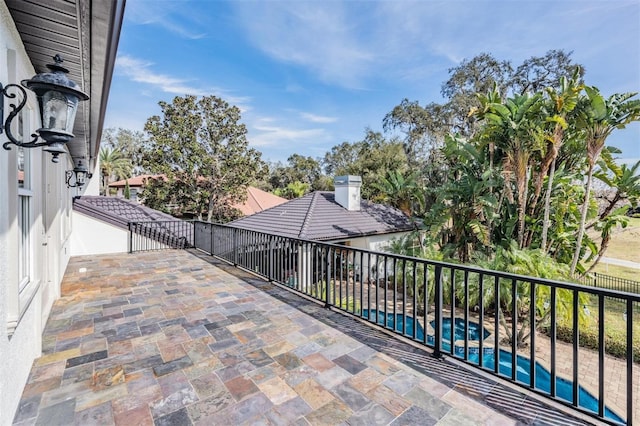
624 245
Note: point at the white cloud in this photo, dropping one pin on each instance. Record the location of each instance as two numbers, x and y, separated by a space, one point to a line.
318 118
271 136
318 36
174 16
142 71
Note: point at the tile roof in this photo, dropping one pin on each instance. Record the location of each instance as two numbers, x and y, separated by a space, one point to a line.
258 200
118 211
317 216
134 181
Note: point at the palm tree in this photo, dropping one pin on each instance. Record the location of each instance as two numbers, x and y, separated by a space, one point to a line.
399 190
113 165
598 117
514 127
560 105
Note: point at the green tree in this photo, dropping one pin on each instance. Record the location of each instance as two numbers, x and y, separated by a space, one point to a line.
113 165
559 104
130 143
371 158
514 126
598 117
201 147
293 190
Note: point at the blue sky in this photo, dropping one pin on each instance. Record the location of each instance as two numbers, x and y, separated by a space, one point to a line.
309 75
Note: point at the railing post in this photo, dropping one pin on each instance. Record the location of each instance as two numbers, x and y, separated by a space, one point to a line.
130 224
235 247
437 344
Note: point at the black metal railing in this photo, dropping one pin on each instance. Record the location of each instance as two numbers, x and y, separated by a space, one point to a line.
526 330
159 235
607 281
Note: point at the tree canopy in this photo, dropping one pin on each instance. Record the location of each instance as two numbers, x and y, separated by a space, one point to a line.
201 147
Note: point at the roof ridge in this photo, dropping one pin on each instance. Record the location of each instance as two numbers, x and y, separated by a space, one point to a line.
307 217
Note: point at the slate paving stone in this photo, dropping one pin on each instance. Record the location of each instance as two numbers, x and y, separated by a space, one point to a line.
177 418
414 416
171 366
354 399
100 415
62 413
28 408
349 364
240 387
72 362
333 413
259 358
288 360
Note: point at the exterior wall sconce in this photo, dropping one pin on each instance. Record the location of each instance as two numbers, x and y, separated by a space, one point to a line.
58 99
80 175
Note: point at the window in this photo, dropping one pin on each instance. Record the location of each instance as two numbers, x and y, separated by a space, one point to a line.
25 214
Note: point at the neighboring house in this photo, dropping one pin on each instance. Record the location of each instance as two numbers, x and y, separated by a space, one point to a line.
257 199
102 224
136 184
339 217
36 229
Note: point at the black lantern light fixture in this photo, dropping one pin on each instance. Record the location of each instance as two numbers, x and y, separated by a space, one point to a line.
79 174
58 99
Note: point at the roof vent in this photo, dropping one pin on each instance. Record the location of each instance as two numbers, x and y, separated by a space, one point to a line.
347 191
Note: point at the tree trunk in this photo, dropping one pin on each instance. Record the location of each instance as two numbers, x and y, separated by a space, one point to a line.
603 249
547 207
583 220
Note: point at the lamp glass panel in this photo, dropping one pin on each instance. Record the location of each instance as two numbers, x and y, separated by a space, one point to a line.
72 107
54 111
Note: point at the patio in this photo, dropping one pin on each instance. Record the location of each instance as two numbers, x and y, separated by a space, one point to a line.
177 338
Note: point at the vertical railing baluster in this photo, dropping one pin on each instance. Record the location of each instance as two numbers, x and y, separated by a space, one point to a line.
514 330
629 318
452 305
414 303
466 315
601 349
532 335
425 295
437 344
576 342
553 332
496 324
481 318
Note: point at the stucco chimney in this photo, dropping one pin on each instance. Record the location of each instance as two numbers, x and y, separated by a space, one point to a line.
347 191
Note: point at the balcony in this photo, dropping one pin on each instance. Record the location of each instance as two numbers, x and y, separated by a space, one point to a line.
178 337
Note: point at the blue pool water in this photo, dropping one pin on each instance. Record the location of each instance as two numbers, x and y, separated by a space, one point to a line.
564 388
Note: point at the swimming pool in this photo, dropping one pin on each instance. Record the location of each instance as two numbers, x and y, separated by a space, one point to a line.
564 388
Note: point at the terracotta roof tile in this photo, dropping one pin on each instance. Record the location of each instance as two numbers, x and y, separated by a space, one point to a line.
258 200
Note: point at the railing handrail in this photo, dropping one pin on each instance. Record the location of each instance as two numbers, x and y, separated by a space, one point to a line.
507 275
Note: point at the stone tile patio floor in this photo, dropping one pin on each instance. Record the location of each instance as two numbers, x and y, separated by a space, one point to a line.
176 338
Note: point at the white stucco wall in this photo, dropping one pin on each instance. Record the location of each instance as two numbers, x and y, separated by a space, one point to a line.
91 236
20 330
374 243
23 313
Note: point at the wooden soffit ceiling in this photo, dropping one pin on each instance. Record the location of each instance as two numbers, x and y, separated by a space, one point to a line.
85 33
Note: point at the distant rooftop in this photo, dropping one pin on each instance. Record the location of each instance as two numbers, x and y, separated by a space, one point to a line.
317 216
258 200
117 211
134 181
